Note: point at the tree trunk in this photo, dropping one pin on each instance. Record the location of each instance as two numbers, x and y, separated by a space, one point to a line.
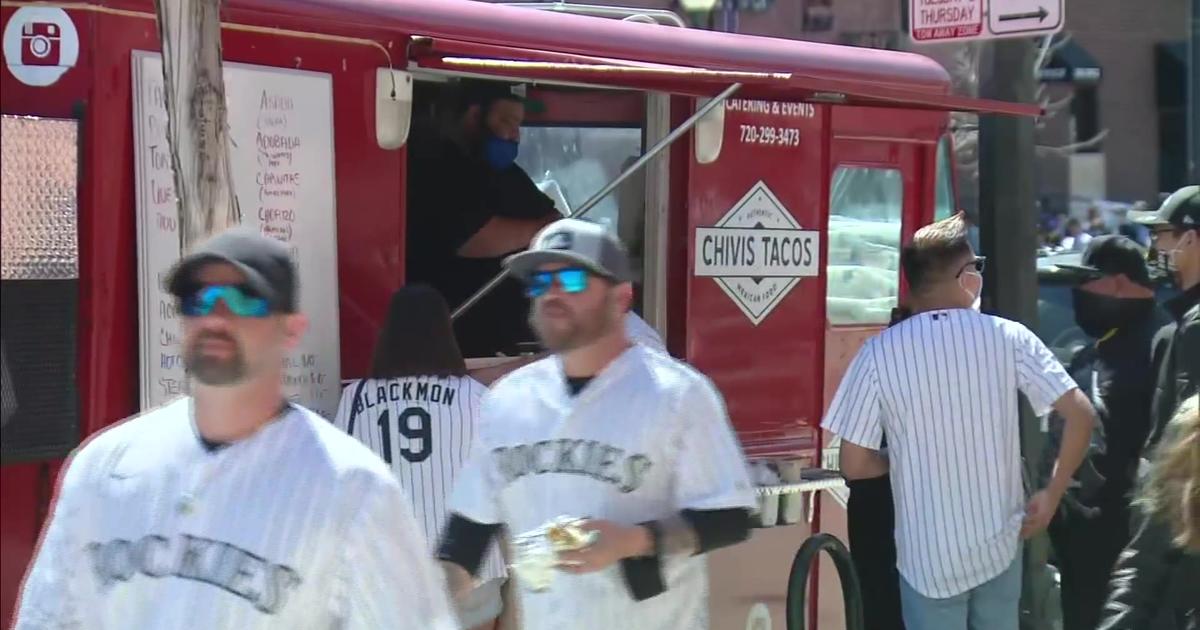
197 128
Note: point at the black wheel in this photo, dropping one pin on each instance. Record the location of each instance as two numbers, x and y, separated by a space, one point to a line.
797 593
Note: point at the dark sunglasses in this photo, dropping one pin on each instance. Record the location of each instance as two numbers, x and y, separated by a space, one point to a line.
979 263
571 279
241 301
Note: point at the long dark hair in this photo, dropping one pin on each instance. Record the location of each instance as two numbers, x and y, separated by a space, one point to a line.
418 337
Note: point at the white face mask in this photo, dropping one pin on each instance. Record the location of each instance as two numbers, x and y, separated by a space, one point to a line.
1172 256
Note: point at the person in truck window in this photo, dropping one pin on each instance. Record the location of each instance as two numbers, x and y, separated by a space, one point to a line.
469 206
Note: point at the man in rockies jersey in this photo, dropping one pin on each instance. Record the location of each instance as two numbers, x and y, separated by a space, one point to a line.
629 439
230 509
418 411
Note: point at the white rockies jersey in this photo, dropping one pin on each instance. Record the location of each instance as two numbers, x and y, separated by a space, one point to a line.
646 438
423 427
298 526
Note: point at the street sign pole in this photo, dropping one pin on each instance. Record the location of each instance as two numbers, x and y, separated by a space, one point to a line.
1193 96
1007 218
1008 237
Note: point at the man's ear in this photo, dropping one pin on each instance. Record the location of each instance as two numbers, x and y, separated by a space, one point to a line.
624 293
294 327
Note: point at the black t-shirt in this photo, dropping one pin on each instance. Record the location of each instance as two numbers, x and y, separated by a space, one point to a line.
575 384
452 194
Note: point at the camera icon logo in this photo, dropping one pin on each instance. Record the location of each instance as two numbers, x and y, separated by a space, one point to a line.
40 45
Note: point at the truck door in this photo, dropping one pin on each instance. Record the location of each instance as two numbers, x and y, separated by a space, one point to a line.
755 300
875 197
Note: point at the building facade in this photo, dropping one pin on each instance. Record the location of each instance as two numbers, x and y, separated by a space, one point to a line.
1121 74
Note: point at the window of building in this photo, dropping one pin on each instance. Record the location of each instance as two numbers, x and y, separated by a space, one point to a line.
865 214
39 278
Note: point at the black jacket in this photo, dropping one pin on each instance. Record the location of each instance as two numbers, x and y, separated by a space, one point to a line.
1155 585
1115 373
1176 359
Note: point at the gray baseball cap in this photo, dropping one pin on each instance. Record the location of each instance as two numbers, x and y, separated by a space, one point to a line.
1181 210
574 241
265 261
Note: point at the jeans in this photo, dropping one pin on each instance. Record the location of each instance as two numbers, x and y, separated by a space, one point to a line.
993 605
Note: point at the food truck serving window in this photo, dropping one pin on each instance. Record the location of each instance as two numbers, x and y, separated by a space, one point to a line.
570 164
864 244
39 277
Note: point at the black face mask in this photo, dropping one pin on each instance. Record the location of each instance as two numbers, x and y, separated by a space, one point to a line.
1097 314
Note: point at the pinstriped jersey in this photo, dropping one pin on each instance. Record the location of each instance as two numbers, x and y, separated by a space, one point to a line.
639 331
423 427
943 386
297 526
646 438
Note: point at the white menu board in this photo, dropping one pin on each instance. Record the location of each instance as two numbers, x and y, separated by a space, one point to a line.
281 125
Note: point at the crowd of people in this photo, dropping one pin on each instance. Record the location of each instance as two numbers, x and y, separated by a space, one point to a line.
1064 232
423 466
233 508
405 510
941 495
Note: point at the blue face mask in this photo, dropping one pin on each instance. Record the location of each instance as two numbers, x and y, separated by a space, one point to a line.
500 153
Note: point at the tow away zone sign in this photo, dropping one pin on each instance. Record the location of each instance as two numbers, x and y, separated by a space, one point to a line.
931 21
935 20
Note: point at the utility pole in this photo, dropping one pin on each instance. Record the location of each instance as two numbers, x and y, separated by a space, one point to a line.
197 125
1193 97
1008 237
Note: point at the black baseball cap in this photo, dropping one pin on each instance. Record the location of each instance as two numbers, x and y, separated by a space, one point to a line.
1113 254
575 241
1181 210
265 261
483 92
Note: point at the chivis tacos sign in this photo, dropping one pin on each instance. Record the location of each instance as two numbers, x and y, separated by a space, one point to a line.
757 252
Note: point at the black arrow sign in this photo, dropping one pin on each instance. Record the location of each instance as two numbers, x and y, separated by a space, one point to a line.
1040 14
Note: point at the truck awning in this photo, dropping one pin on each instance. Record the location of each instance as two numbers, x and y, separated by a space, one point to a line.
547 66
817 72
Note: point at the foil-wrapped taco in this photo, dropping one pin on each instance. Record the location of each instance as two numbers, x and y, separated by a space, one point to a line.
536 552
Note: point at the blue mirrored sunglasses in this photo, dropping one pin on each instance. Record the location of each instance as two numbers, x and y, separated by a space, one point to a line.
572 280
241 302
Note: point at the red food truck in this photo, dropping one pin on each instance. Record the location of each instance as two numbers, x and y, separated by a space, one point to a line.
763 186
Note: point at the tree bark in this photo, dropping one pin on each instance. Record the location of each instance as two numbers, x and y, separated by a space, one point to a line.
197 127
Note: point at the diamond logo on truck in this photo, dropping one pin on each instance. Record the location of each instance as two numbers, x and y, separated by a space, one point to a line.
756 253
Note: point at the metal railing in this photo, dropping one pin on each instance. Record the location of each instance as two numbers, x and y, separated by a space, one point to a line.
797 593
